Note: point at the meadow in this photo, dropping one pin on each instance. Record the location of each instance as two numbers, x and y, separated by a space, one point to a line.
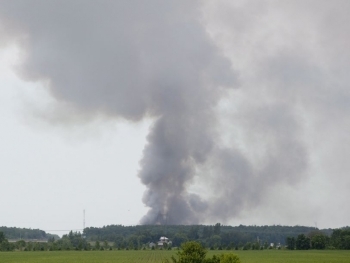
156 256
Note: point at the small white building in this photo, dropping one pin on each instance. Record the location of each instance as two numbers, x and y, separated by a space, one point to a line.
163 240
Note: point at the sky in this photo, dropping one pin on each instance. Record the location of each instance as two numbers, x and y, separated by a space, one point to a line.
180 112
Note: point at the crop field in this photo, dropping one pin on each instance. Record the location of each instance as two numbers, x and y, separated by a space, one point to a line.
150 256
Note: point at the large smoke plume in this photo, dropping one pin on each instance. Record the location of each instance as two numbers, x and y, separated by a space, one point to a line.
138 59
133 59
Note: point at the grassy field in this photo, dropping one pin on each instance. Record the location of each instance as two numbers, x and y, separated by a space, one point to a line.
266 256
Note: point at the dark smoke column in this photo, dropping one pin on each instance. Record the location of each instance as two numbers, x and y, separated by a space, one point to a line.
177 142
182 135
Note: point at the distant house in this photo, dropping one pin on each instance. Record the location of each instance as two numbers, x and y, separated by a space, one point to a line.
164 240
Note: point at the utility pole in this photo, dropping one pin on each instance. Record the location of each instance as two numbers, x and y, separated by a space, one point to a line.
83 223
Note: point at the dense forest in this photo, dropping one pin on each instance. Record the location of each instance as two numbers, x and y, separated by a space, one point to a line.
15 233
72 241
209 235
339 239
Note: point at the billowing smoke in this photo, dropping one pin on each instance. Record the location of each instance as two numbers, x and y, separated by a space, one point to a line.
137 59
132 59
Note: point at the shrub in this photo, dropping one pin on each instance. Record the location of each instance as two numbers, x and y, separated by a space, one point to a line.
229 258
214 259
190 251
194 252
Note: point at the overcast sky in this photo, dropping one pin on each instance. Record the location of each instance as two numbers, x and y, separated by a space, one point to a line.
216 111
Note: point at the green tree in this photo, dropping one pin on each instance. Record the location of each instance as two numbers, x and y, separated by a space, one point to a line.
119 241
105 244
336 238
4 244
290 243
20 244
217 229
207 231
97 245
231 246
133 242
2 237
193 233
191 252
302 242
74 240
318 241
29 246
340 238
215 241
247 246
179 239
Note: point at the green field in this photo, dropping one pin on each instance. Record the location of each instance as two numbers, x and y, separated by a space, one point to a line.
268 256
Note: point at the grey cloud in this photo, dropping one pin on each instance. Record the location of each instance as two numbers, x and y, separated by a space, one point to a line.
293 101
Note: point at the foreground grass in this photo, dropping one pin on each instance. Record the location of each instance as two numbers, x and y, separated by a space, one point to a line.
148 256
296 256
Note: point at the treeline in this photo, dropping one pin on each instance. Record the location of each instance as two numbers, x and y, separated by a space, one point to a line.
339 239
72 241
15 233
210 236
218 237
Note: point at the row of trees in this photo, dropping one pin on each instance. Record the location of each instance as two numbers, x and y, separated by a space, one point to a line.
76 241
211 236
340 239
15 233
72 241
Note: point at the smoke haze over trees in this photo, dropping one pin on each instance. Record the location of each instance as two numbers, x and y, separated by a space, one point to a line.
240 95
